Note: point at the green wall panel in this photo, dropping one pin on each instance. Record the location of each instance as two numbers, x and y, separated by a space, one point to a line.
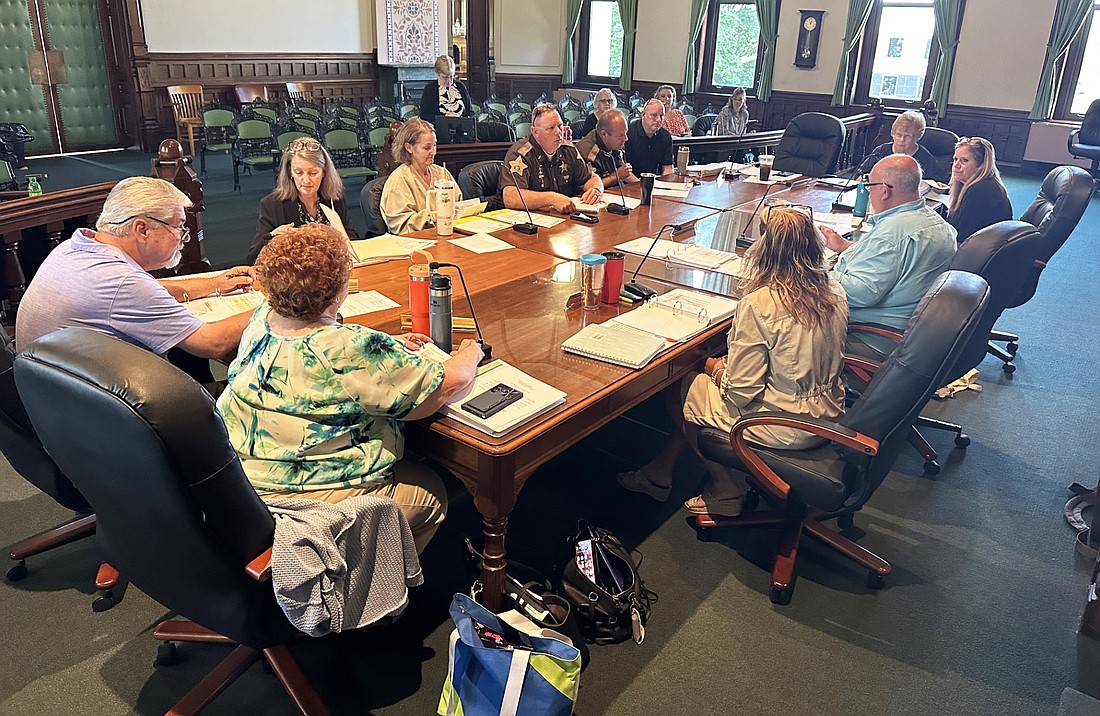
20 101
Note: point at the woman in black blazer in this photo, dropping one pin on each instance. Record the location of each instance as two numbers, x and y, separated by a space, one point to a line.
308 190
446 96
978 196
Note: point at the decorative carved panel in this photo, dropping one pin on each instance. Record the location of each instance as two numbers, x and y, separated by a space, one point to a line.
1006 129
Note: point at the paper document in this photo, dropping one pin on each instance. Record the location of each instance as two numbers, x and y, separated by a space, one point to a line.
481 243
685 254
538 397
479 225
678 315
589 208
215 308
615 342
357 304
512 216
614 198
469 207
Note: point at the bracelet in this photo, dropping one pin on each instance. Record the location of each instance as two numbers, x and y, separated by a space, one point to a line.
186 298
217 293
717 380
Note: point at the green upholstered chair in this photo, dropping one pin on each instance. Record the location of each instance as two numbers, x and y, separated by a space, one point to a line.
217 131
348 153
254 146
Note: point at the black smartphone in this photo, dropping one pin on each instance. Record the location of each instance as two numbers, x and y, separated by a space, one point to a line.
492 401
584 218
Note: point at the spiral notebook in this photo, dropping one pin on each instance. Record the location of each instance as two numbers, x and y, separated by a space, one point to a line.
613 342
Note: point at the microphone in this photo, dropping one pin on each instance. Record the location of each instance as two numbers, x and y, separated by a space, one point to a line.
486 349
613 208
639 291
728 172
745 239
530 227
837 204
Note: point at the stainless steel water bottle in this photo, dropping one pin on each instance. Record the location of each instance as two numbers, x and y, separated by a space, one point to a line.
439 311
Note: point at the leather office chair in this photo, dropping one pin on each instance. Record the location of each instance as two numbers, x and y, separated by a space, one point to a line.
1084 143
20 445
490 131
1056 211
941 144
703 125
370 201
481 180
836 479
810 145
145 445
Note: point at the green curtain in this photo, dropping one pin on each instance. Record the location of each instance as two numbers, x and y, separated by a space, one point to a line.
767 12
1069 17
695 26
858 12
572 19
948 15
628 16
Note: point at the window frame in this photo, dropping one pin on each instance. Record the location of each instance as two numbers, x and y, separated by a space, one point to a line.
707 45
1069 71
580 49
864 61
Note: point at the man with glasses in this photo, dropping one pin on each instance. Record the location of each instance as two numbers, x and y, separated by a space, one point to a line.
648 144
99 279
888 270
603 149
547 168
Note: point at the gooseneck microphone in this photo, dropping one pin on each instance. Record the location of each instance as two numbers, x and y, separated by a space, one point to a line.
486 349
639 291
612 207
530 227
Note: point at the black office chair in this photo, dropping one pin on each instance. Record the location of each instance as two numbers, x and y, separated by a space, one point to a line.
1084 143
23 450
1056 211
810 145
370 201
703 125
481 180
490 131
941 144
175 512
836 479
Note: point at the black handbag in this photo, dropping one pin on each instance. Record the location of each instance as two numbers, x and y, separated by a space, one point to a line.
600 579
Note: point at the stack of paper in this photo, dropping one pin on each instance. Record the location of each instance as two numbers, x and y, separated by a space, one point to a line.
538 397
386 247
707 170
686 254
215 308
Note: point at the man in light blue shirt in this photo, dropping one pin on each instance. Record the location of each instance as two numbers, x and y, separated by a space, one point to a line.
888 270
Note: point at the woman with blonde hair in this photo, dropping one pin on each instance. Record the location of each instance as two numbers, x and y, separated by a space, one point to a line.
308 190
605 101
405 196
978 196
675 121
733 120
905 133
445 96
785 354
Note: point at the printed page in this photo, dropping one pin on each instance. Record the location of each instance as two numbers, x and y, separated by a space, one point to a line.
481 243
357 304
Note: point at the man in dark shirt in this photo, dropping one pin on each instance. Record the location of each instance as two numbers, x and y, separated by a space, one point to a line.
603 149
648 145
547 169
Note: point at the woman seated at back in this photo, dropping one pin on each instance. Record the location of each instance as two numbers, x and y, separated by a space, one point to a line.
314 408
978 196
906 131
446 96
785 354
675 121
405 195
308 190
733 120
605 101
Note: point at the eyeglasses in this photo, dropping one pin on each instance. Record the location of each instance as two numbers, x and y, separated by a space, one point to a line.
605 100
880 183
185 231
304 144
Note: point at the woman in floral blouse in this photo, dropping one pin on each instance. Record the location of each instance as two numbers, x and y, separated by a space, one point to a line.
314 408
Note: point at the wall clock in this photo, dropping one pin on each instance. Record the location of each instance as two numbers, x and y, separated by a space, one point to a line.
809 32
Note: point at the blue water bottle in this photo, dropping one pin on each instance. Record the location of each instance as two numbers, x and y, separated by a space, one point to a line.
863 194
749 158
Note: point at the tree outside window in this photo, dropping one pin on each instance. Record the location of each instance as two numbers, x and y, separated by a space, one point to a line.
605 40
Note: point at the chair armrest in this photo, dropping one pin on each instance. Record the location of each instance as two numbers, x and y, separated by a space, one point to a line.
822 428
861 368
1071 139
875 329
260 567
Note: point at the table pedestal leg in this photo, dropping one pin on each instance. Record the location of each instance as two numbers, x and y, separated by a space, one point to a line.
493 564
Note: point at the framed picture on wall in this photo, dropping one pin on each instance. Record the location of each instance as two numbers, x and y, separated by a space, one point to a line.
809 32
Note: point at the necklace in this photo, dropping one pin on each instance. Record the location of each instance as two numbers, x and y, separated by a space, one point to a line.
307 218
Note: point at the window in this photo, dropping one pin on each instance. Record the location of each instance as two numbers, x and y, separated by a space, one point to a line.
899 53
731 46
1080 83
600 42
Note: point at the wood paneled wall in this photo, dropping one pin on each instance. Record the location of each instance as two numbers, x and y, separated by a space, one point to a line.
1006 129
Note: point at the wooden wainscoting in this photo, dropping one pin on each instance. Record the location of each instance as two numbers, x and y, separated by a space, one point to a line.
353 76
1006 129
530 86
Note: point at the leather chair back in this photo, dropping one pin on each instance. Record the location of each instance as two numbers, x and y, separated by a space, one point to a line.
20 444
810 145
703 125
939 330
1090 125
481 180
941 145
370 201
145 445
490 131
1004 255
1056 211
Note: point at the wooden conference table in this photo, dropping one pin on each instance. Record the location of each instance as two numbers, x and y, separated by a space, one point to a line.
519 296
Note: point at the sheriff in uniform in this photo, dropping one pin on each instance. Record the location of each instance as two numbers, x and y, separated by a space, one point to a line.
602 148
547 169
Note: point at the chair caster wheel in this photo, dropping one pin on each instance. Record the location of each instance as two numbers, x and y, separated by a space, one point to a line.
845 521
875 580
781 596
931 467
1012 348
18 571
103 601
167 654
962 441
1009 368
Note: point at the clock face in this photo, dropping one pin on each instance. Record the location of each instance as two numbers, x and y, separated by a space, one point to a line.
810 23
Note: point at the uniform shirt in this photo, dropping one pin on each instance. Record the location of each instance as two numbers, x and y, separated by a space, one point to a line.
321 411
648 154
528 167
604 161
84 282
888 270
